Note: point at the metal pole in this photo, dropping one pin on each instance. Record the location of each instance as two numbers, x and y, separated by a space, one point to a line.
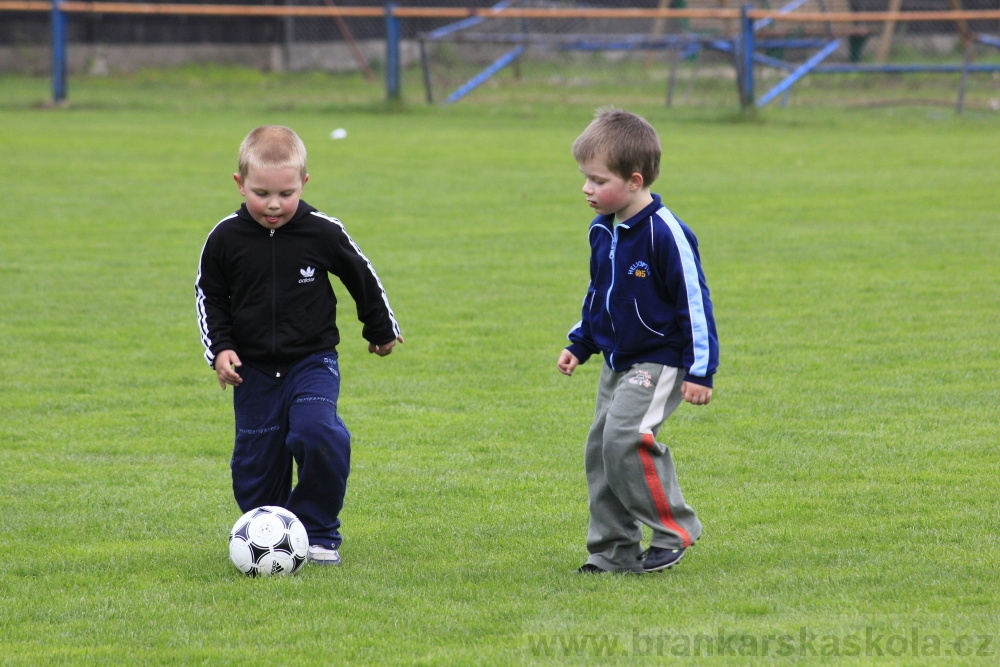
58 53
392 30
675 57
747 44
425 63
963 82
800 71
478 80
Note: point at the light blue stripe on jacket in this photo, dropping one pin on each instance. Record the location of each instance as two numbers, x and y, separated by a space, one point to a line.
692 283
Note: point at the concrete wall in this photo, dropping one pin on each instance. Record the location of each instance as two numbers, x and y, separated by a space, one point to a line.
101 60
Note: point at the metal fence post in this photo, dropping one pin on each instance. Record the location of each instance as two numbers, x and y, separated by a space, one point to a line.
58 52
748 48
392 34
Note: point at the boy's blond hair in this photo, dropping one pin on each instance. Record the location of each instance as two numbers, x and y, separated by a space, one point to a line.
272 147
625 141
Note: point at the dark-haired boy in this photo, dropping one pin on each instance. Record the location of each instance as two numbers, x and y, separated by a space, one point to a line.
649 313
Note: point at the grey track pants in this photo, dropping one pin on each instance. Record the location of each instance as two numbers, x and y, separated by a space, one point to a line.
630 476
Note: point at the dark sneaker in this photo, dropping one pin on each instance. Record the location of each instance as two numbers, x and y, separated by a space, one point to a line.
656 559
590 568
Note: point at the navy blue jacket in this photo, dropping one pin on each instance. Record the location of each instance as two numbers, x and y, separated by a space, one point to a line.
648 300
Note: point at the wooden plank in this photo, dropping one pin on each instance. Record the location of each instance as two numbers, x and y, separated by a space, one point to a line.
963 26
888 30
83 7
659 24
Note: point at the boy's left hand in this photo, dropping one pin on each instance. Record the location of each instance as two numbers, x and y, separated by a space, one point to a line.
386 349
696 394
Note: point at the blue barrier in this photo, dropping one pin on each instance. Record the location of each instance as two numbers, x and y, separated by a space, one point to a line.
799 72
466 23
748 56
743 48
481 78
787 9
904 69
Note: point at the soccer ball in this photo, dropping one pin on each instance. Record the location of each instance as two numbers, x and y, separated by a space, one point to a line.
267 541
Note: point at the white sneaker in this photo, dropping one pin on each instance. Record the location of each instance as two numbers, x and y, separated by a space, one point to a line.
323 556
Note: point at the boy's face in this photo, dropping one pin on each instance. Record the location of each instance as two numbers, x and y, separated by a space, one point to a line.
610 194
272 195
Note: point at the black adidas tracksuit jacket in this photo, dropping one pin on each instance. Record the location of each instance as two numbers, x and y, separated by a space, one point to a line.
265 293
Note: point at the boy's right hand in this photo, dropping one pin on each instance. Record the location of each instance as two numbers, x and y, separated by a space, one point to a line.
226 363
386 349
567 362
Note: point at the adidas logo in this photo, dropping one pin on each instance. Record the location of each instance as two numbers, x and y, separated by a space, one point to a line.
308 275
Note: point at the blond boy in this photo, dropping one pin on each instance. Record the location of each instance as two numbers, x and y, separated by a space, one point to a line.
267 314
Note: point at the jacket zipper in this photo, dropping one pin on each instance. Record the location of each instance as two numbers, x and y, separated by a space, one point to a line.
607 299
274 298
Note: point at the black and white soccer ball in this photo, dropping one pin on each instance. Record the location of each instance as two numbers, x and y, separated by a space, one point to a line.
267 541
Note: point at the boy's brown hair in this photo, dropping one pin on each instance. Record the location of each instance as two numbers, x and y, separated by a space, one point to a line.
625 141
272 147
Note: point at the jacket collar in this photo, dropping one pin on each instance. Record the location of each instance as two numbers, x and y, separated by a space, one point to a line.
609 220
302 211
644 214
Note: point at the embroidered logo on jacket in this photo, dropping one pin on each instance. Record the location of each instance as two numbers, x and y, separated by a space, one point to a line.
308 274
641 378
639 269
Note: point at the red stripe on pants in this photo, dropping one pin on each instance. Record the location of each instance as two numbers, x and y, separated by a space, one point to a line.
659 499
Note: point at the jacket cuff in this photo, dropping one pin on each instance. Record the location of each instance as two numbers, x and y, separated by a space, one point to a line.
579 351
703 381
219 347
379 335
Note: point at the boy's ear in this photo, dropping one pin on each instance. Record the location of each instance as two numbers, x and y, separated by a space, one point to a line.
239 184
635 181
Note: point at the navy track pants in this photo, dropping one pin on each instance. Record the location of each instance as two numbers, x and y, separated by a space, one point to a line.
286 419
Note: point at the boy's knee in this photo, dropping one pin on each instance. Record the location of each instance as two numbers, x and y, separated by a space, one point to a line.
622 437
316 424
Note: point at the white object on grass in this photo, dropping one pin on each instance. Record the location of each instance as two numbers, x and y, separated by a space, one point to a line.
267 541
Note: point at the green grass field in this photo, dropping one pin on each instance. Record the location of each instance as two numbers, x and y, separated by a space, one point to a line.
846 471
